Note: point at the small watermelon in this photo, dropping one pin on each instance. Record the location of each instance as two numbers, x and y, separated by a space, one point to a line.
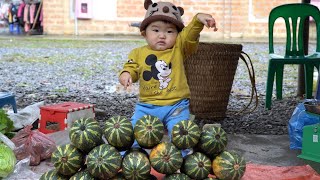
148 131
136 165
213 141
166 158
104 161
118 131
185 134
229 165
85 134
67 159
177 176
53 175
197 165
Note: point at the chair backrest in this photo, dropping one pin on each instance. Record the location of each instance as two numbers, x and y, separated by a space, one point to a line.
294 16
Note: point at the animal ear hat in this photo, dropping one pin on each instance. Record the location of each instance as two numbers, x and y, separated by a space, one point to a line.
163 11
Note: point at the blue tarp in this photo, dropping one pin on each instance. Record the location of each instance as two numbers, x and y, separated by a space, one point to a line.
299 119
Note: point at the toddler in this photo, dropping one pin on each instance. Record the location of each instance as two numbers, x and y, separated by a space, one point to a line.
159 65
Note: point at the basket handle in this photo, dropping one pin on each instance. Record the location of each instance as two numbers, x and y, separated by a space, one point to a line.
254 95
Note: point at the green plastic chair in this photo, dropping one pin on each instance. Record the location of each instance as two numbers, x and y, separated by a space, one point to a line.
294 16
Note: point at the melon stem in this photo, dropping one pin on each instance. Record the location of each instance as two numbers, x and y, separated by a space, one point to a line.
117 125
100 160
217 136
82 127
166 158
149 128
64 159
201 164
183 131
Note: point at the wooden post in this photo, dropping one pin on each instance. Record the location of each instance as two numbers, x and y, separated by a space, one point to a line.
36 18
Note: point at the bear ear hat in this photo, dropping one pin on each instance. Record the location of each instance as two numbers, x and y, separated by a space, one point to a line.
147 3
162 11
181 10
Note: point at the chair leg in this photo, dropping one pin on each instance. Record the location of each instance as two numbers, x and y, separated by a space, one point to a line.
279 80
269 88
14 105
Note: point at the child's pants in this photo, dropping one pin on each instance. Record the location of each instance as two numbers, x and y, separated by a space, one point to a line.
169 115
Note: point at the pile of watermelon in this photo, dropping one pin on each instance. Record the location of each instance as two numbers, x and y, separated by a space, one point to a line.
94 152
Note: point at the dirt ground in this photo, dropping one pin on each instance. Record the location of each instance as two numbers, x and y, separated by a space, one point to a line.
85 70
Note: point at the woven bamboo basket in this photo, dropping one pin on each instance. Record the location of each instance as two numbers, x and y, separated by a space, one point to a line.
210 73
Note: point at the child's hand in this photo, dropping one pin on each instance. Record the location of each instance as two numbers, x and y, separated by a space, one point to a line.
207 20
125 79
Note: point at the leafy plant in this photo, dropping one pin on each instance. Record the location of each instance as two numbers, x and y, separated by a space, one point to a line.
6 124
7 161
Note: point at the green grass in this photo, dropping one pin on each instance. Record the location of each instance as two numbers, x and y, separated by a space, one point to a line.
61 90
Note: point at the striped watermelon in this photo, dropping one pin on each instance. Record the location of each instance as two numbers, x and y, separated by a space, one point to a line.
85 134
166 158
213 141
185 134
148 131
53 175
104 161
136 165
229 165
197 165
82 175
177 176
67 159
118 131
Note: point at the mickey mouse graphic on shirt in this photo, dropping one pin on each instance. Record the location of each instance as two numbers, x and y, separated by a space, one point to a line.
160 70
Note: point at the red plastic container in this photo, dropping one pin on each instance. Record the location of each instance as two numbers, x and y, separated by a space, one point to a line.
58 117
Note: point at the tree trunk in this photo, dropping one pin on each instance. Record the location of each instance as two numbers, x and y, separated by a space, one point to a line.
301 84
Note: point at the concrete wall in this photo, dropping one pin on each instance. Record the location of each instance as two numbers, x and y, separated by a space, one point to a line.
235 18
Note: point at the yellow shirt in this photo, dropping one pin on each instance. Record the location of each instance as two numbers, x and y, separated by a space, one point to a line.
161 74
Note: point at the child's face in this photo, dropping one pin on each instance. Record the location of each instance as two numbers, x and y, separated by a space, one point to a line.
161 35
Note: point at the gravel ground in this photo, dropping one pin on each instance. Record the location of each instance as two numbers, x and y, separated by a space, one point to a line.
53 71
